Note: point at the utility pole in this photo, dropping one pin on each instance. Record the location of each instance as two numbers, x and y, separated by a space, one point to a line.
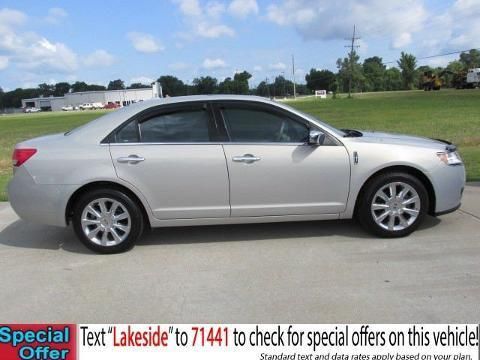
352 46
293 77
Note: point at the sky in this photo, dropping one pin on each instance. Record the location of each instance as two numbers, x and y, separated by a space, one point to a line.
138 41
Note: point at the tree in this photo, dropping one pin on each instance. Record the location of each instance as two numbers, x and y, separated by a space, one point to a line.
95 87
172 86
205 85
393 79
374 72
347 67
138 86
226 86
79 86
407 64
263 89
46 89
320 80
240 82
116 85
61 89
470 59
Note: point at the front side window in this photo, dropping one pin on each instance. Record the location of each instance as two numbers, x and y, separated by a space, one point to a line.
259 126
181 126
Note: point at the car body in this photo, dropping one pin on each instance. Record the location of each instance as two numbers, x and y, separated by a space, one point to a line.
223 159
86 106
67 108
31 110
111 105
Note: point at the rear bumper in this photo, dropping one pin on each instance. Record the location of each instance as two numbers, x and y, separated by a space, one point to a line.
43 204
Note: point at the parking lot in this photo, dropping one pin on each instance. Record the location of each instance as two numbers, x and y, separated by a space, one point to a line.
321 272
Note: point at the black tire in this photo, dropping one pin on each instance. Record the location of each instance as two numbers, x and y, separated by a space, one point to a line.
364 209
136 220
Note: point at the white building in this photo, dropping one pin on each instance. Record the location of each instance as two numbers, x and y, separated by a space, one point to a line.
119 97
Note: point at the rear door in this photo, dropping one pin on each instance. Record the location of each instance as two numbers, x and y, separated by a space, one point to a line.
170 155
272 169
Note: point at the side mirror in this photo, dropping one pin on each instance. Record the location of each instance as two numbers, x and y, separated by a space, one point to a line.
316 137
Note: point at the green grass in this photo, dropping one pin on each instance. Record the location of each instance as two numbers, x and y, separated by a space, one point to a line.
447 114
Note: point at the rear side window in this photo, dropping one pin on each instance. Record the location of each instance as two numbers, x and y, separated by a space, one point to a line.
252 125
128 134
182 126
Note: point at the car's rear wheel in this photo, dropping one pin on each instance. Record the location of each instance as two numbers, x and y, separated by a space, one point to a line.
107 221
393 205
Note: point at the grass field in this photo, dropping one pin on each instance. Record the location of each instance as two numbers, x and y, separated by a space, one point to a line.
447 114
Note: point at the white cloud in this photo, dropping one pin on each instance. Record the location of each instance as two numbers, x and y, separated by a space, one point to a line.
142 79
257 68
99 58
203 21
144 43
213 31
3 62
10 17
277 66
243 8
30 51
189 7
330 20
56 15
211 64
456 28
402 40
45 55
215 9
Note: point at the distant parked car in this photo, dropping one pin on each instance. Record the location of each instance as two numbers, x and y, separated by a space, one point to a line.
31 110
98 105
86 106
219 159
67 108
111 106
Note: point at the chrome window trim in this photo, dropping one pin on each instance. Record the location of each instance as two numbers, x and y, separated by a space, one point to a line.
208 143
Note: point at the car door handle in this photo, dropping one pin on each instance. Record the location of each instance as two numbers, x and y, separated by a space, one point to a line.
247 158
131 159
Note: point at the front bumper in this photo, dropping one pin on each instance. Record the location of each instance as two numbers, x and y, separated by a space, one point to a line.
448 182
43 204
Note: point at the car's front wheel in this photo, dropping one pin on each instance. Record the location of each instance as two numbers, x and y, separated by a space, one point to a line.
393 205
107 221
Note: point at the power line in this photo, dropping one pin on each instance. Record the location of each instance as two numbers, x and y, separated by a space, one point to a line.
293 77
438 55
351 56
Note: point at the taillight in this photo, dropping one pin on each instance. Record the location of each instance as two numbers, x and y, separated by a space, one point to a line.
21 155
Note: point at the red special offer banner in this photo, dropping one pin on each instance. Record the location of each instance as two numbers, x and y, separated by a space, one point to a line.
38 341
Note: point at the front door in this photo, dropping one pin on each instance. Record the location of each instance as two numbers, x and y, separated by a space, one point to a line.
273 171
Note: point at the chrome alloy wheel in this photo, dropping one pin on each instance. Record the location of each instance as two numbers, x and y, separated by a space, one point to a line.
106 222
395 206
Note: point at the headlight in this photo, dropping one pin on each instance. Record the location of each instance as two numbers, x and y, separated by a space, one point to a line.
450 157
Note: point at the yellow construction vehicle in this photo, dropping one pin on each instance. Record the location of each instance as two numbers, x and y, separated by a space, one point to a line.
433 81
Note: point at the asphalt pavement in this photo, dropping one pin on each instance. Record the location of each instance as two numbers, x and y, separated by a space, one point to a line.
304 272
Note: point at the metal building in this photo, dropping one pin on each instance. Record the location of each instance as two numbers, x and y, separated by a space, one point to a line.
119 97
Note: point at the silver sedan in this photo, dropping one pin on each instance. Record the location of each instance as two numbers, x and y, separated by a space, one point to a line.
204 160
